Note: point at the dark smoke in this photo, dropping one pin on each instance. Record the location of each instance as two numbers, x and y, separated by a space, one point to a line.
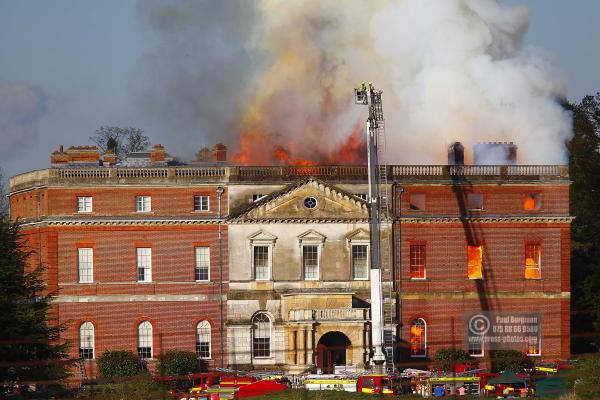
190 82
21 108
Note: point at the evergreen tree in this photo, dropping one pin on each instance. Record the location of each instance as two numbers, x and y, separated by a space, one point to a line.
584 170
30 347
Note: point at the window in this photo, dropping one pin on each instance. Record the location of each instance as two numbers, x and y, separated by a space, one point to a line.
143 204
310 203
475 345
417 201
145 340
84 204
203 339
532 202
360 261
202 270
417 261
201 203
85 265
261 261
257 196
533 346
86 341
144 264
310 262
474 262
418 338
533 261
475 201
261 335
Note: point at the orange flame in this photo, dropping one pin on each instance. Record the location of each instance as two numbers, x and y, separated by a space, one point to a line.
258 148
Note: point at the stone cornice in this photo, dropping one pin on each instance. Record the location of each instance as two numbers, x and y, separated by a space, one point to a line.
119 222
488 295
487 219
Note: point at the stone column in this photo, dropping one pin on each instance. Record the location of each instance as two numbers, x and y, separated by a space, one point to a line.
367 343
310 355
291 348
301 359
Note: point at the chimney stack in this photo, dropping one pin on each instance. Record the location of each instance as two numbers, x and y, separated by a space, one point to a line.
109 157
219 152
456 154
157 154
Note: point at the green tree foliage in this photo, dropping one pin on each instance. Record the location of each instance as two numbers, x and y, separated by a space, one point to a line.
584 169
446 359
586 377
178 362
118 364
4 206
30 347
121 141
510 360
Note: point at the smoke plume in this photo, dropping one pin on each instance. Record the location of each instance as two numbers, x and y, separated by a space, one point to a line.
21 108
273 79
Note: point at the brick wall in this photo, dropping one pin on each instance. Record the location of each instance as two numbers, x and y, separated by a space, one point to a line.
503 256
497 199
445 322
116 324
121 201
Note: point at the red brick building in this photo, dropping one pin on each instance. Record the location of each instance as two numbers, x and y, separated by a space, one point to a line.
138 255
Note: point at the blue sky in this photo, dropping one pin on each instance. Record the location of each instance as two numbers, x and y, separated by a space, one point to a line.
82 54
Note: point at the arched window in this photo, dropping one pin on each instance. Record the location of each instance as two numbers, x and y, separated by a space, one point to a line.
203 339
418 338
261 335
86 341
145 340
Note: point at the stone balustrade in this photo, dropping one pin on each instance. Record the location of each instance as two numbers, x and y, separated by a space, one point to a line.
330 314
86 175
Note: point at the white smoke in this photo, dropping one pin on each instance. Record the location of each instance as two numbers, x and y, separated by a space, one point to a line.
460 72
450 70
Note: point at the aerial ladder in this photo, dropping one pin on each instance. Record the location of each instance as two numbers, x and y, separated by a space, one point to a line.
382 307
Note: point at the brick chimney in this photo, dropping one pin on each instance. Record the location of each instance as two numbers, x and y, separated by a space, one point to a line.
76 155
59 157
109 157
456 154
219 152
204 154
157 154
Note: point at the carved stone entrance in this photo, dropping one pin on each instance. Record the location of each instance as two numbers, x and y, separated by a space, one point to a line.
332 350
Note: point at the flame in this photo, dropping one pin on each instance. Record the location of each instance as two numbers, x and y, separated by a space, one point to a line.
259 148
474 257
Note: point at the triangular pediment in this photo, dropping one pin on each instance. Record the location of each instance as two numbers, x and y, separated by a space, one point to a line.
262 237
310 199
312 236
359 235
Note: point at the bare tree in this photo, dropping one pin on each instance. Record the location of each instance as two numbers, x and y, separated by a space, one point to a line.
121 141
